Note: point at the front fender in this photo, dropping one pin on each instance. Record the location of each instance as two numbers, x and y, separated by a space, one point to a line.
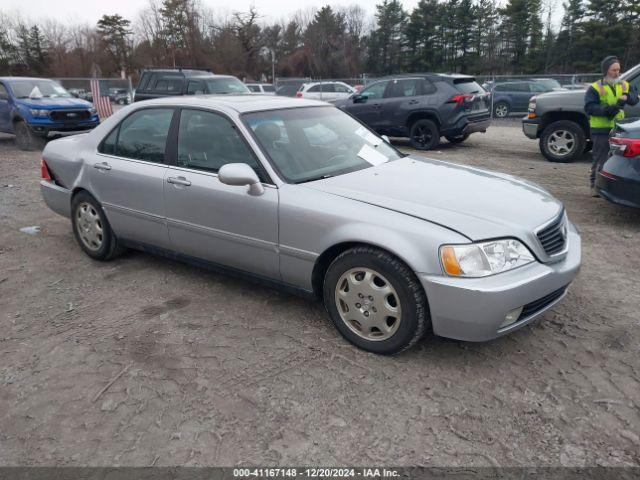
312 222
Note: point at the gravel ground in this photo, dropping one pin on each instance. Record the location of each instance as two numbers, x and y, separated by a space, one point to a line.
144 361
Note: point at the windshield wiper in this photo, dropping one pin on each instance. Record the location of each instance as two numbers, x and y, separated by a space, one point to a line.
313 179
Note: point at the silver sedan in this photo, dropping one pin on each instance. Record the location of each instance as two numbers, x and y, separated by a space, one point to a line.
297 193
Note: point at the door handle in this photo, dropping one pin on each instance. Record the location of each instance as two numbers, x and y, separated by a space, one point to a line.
102 166
413 102
179 181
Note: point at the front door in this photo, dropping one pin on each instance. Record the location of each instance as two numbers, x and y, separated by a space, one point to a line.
210 220
367 105
127 176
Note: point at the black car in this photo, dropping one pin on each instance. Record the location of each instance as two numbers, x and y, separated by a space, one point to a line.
172 82
422 107
619 179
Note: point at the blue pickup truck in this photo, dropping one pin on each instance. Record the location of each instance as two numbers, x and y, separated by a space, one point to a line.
34 109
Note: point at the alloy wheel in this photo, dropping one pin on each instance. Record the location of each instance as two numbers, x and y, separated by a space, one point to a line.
561 142
422 135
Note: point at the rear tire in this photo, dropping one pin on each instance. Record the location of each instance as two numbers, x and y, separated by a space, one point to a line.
562 141
375 301
91 228
26 139
424 135
457 139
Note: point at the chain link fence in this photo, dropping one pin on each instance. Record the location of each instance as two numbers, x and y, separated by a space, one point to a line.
120 91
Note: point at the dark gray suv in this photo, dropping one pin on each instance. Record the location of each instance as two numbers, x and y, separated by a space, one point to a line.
422 107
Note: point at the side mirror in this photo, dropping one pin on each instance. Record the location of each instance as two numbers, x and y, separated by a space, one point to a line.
357 98
239 175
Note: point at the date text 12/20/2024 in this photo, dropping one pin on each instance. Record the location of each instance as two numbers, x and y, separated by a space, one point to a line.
315 472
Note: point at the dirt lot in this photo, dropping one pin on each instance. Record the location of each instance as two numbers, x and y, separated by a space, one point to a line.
219 371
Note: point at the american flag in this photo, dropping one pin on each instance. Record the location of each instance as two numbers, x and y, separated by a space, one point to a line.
101 103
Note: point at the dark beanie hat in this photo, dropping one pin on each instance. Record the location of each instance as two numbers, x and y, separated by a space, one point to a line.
607 62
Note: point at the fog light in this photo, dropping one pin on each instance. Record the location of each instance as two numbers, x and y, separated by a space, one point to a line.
511 317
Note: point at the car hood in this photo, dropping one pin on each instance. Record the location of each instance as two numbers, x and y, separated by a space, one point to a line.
474 202
51 103
562 98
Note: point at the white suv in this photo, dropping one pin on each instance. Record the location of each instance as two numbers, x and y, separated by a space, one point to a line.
325 90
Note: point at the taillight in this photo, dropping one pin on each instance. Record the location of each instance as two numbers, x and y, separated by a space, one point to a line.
467 97
629 147
298 94
44 171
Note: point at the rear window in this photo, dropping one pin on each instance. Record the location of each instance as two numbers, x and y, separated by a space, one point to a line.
468 85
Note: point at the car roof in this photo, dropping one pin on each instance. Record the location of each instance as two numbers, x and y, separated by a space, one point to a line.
239 103
184 71
8 79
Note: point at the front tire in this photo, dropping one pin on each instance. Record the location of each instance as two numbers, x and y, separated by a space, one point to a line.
26 139
91 228
375 301
562 141
424 135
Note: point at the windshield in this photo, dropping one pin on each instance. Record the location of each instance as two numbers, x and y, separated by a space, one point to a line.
226 85
37 89
312 143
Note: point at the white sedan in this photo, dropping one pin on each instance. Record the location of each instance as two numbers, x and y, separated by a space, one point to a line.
325 91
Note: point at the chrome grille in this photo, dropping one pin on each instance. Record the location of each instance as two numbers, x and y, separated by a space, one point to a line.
553 237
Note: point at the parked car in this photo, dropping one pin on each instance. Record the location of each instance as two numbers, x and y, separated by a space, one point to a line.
120 96
77 92
299 194
423 107
619 179
264 88
326 91
171 82
558 119
288 88
514 96
35 108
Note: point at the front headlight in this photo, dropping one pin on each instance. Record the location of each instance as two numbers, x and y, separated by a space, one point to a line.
484 258
39 113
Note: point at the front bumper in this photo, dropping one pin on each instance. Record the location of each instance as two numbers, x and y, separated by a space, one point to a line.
56 197
473 309
530 127
50 128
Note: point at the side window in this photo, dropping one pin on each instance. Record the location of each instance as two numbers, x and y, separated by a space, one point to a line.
329 87
4 94
427 87
635 82
404 88
375 91
207 141
108 145
143 135
316 89
195 88
501 88
254 88
168 85
538 88
520 87
341 88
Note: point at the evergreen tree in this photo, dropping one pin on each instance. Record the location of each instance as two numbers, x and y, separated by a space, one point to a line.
114 32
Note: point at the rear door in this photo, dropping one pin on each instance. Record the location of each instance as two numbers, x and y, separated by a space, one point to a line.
127 176
521 93
402 96
210 220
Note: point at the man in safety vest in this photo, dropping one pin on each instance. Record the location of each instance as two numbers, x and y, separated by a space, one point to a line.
604 102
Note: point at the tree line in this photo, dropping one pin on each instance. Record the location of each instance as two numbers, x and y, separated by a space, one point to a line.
470 36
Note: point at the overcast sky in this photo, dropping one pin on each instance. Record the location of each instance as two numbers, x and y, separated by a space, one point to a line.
90 11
